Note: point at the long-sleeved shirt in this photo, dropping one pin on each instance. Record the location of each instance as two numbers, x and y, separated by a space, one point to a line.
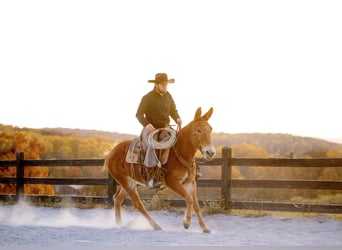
156 109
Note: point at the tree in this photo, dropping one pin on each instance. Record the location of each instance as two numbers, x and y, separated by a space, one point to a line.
20 141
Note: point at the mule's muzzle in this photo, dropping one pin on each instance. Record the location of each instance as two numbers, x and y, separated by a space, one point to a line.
208 153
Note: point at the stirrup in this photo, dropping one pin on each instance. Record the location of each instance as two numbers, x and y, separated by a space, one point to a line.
150 183
158 184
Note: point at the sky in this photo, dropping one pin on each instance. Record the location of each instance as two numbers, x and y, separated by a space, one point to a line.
264 66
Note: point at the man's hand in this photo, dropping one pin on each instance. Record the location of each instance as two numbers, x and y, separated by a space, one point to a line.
149 128
179 122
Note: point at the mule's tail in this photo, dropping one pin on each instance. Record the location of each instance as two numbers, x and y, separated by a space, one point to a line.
105 165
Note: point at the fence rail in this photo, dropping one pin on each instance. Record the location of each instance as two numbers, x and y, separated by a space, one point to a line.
225 183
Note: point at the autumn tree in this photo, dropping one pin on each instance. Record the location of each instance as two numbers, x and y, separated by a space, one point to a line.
10 144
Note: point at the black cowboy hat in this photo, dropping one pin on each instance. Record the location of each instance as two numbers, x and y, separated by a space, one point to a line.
160 78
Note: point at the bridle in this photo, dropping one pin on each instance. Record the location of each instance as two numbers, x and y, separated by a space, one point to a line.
184 162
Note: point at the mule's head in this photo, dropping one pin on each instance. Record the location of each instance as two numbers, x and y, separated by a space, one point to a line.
201 134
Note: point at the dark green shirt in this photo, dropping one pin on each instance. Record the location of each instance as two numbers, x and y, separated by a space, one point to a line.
157 109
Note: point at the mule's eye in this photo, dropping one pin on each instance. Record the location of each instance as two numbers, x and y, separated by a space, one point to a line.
199 131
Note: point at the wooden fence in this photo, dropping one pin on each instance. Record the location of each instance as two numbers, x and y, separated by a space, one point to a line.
225 183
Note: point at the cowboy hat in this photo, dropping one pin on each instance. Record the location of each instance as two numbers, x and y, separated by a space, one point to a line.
160 78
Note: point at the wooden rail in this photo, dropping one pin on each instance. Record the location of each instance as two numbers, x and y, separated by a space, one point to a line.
226 183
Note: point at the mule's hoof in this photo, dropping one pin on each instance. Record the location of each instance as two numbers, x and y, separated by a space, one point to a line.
206 230
157 228
186 225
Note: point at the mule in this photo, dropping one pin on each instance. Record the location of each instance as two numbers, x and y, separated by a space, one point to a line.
179 171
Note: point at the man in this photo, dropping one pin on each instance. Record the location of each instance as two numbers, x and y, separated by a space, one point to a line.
156 108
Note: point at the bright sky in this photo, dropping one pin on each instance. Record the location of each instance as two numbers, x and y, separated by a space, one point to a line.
265 66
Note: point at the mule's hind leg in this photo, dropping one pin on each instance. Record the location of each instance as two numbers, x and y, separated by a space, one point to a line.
137 203
118 198
130 189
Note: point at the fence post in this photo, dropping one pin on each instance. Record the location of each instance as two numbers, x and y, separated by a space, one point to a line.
19 175
226 175
111 190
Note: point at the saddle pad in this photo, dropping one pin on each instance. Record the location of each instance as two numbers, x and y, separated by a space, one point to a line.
133 152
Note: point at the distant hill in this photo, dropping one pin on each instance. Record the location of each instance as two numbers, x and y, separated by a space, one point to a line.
336 140
279 144
85 133
273 144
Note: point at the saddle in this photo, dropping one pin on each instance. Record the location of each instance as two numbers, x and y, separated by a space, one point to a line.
140 153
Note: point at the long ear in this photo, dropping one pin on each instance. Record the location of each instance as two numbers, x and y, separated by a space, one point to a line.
198 114
207 115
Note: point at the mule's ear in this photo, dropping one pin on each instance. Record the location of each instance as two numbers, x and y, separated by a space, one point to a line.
198 114
207 115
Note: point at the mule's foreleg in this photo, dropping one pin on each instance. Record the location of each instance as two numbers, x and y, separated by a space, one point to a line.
192 202
198 213
189 205
183 191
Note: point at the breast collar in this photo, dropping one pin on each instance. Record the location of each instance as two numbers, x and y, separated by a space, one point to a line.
184 162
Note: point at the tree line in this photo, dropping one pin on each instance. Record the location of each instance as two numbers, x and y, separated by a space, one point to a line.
72 144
